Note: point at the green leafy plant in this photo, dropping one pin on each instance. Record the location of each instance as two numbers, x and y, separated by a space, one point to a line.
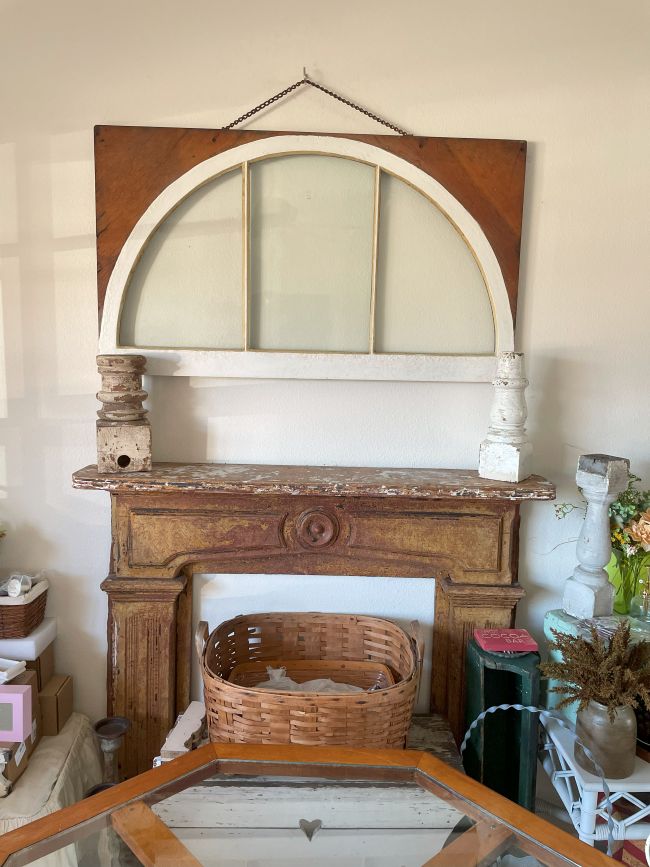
612 672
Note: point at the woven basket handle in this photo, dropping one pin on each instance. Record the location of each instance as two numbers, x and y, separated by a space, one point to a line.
417 638
415 631
201 638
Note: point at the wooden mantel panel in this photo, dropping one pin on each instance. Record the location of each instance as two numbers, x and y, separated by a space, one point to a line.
466 539
170 539
179 519
144 631
472 541
315 481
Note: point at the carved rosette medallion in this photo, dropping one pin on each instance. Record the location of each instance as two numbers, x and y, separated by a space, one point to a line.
317 529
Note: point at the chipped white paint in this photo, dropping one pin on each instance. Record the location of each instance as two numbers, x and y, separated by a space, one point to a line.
302 481
299 365
259 821
588 593
505 453
330 847
186 733
271 804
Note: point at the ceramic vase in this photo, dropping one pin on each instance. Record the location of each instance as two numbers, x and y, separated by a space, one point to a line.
613 744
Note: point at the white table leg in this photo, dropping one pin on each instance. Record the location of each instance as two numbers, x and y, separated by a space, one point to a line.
588 804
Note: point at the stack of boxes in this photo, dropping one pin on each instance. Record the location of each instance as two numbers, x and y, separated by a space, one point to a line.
49 701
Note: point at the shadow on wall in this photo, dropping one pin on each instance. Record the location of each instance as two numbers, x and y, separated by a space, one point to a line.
47 398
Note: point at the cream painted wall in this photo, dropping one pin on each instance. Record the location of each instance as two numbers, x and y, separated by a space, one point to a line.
571 78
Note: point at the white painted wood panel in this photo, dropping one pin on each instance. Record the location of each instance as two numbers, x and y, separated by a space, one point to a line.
328 848
255 806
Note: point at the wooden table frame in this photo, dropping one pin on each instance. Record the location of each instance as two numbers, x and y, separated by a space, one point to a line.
422 768
179 519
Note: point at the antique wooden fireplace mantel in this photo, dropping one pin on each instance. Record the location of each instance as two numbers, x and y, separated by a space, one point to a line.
178 519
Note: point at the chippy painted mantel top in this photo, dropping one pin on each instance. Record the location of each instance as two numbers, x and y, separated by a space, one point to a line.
324 481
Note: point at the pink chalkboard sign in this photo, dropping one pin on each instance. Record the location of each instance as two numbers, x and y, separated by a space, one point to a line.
505 640
15 712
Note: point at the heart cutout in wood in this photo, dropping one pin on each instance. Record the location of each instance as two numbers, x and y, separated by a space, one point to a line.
310 828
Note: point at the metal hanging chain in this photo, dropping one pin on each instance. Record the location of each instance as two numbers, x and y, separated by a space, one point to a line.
307 80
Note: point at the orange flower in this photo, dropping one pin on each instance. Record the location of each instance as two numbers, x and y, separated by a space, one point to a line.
640 530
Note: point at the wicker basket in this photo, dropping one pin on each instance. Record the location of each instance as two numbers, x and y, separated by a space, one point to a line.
242 714
20 616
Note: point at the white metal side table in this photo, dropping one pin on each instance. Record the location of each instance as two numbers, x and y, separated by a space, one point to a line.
582 793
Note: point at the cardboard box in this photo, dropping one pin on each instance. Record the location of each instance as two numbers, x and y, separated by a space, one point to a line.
16 756
56 703
43 665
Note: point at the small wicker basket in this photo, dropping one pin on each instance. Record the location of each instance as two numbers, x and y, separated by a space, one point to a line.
20 616
242 714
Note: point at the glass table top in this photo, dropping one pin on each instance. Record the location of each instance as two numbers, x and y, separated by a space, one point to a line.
374 809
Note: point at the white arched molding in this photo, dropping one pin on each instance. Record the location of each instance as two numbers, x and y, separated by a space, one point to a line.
310 365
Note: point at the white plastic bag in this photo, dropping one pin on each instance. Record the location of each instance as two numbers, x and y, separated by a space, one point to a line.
278 680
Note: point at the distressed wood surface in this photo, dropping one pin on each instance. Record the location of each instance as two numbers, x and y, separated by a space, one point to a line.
320 481
459 610
134 164
260 803
469 546
142 678
472 541
448 525
432 734
330 847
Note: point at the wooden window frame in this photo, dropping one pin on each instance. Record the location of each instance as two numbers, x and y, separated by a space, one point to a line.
143 173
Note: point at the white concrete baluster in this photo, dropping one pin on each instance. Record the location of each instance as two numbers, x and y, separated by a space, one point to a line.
505 453
588 593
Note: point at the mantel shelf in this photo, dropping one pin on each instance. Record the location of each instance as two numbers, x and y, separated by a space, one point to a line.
315 481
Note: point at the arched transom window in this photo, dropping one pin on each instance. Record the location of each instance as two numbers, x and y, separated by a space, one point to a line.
308 257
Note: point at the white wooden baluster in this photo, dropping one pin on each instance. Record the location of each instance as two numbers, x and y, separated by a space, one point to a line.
588 593
505 453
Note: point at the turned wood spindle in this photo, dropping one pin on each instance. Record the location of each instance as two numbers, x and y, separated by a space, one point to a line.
123 430
506 452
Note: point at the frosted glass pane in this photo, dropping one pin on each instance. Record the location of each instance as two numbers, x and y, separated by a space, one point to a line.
186 290
311 253
431 296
